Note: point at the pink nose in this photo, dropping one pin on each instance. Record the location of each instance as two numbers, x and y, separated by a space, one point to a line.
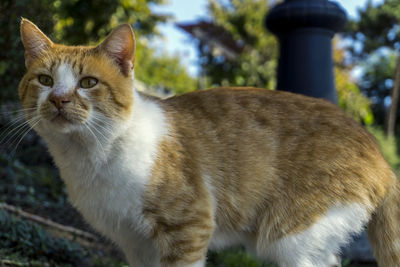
59 100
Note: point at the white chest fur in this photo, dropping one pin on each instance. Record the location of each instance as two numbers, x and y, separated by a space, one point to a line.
106 182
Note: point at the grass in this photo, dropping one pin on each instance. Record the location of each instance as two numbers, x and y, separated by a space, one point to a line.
28 243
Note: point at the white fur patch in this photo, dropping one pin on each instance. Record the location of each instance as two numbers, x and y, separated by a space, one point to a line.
212 192
83 93
109 193
148 127
396 244
106 182
43 95
65 80
316 245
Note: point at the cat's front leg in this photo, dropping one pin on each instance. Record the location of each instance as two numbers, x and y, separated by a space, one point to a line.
184 245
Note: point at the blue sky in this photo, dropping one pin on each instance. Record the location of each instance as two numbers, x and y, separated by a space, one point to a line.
176 41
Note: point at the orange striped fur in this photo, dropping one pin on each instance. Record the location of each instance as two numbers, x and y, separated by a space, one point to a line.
289 177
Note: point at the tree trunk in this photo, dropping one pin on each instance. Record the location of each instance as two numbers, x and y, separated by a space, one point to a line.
391 115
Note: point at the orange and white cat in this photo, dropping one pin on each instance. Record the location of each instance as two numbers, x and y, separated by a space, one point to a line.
289 177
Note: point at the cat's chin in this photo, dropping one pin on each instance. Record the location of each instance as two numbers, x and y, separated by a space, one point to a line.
63 125
61 120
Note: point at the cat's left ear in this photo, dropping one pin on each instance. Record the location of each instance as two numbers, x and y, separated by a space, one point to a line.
120 46
34 40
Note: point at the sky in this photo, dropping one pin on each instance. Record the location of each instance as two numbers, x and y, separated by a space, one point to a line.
178 42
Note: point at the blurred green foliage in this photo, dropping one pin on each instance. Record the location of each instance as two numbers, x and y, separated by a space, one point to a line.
11 50
256 64
377 82
162 71
350 98
375 44
388 146
376 27
84 22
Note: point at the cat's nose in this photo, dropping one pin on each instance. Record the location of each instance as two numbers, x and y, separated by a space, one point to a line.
59 100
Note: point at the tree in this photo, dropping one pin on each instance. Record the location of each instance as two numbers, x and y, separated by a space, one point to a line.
377 29
254 59
11 49
376 81
82 22
350 98
162 70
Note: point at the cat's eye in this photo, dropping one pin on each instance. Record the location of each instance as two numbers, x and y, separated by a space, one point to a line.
45 80
88 82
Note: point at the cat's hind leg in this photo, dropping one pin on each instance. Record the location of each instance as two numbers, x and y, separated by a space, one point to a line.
317 245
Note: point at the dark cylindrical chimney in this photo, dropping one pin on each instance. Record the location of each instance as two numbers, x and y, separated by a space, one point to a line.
305 29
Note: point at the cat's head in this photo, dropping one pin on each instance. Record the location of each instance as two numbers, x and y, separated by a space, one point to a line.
70 88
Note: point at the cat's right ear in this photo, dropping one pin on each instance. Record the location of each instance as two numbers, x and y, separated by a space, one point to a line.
34 40
120 46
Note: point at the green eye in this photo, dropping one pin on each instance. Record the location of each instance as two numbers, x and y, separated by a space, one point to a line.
46 80
88 82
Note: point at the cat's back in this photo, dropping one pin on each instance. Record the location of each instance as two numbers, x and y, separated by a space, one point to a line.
216 103
252 116
269 160
260 109
252 132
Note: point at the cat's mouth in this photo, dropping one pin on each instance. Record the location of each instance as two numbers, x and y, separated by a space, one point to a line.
65 117
63 122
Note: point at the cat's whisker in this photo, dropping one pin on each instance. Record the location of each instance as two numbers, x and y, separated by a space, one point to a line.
77 111
105 155
102 120
26 132
16 117
97 130
7 139
13 117
105 129
10 125
104 124
9 120
98 121
17 130
91 126
96 139
17 111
